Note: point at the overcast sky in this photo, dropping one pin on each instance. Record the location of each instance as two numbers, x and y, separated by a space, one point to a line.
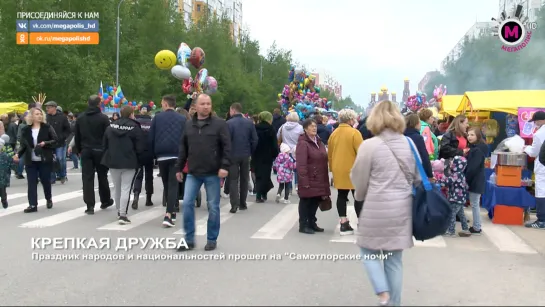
405 39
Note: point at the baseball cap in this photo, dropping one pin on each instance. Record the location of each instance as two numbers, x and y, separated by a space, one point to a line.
539 115
51 104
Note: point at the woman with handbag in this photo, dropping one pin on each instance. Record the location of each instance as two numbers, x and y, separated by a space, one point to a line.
37 151
313 183
383 174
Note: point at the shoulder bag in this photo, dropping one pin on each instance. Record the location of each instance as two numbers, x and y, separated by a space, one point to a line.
431 210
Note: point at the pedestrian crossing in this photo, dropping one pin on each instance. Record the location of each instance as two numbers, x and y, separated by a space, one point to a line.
280 222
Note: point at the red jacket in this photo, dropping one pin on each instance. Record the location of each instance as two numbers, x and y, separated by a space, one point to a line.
312 168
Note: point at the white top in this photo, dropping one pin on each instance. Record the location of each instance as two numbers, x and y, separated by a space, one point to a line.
35 138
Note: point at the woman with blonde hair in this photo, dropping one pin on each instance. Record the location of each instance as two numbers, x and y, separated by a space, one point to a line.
383 174
343 147
37 149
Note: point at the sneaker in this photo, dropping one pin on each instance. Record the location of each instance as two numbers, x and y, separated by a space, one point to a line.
210 246
49 204
450 234
167 222
20 177
346 229
475 232
286 202
464 233
277 198
107 205
173 216
30 209
123 220
536 225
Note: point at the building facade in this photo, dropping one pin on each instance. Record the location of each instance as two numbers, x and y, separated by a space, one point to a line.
327 82
530 7
427 77
229 9
477 30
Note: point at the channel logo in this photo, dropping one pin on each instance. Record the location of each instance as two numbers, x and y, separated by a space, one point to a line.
514 32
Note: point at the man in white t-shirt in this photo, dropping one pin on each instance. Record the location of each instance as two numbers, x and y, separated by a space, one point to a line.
539 169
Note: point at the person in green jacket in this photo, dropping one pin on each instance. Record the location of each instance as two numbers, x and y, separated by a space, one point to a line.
426 130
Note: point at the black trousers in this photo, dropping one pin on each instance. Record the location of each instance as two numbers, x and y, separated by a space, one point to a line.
307 210
3 194
90 163
145 173
286 187
35 171
226 184
167 169
239 176
342 200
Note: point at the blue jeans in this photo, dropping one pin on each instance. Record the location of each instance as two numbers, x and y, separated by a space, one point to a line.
75 160
475 200
21 167
387 278
61 157
192 188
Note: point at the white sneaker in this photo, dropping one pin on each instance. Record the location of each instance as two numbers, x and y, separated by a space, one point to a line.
277 198
286 201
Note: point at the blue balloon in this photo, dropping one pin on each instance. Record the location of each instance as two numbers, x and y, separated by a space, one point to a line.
105 96
120 95
110 88
134 103
117 99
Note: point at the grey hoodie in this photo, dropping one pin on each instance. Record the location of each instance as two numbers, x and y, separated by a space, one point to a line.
290 132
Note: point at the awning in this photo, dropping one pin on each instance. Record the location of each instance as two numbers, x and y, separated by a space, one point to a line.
501 101
17 107
450 103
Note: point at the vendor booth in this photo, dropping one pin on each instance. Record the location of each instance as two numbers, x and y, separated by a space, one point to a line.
508 188
9 107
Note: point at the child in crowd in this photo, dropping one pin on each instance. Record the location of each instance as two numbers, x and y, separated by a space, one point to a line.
285 165
457 195
475 175
6 163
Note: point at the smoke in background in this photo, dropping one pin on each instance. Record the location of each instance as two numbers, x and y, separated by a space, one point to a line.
484 66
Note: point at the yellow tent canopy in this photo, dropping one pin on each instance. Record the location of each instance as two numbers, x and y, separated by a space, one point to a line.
450 103
501 101
17 107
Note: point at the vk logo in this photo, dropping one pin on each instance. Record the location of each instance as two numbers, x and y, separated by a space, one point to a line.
22 25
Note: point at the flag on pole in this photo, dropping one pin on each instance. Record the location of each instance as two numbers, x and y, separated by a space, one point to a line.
100 90
117 91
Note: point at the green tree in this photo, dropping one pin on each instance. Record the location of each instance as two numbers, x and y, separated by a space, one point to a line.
483 66
68 74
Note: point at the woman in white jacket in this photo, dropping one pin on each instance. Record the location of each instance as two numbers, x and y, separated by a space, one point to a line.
539 169
289 134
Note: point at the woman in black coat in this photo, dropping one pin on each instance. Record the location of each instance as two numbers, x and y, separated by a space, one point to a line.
323 132
264 156
475 174
454 142
37 150
413 131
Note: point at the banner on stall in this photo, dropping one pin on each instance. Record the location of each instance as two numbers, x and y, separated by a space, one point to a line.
527 128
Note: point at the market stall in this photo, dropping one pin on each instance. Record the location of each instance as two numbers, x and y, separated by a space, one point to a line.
508 193
17 107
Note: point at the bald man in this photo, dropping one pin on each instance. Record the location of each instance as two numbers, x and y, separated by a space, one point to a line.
206 146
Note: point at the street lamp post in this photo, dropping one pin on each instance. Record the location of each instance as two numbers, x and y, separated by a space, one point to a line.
117 58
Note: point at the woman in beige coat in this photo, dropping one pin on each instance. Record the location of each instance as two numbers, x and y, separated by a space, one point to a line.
381 173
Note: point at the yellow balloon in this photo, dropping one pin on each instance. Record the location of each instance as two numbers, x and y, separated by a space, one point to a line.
307 82
279 95
165 59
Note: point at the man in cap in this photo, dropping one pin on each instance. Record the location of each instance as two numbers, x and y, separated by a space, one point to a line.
56 119
539 169
146 163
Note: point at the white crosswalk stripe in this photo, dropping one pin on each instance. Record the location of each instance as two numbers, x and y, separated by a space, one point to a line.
280 223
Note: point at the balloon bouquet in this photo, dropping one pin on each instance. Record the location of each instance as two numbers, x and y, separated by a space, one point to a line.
301 95
438 93
179 64
113 97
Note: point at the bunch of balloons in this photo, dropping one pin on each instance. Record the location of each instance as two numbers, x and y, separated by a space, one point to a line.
113 97
301 94
438 93
179 65
417 102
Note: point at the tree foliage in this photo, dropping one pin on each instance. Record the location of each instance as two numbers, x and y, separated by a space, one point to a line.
68 74
483 66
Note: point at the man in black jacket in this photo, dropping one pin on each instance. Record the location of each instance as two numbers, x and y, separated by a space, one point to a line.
243 144
146 168
278 120
206 147
88 140
56 119
124 145
165 132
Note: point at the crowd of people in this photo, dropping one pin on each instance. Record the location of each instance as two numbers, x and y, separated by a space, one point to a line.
370 158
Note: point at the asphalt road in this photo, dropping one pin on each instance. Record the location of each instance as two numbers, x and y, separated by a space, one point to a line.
504 266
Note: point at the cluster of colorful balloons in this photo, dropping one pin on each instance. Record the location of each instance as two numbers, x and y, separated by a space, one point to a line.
179 65
438 94
417 102
301 94
114 97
